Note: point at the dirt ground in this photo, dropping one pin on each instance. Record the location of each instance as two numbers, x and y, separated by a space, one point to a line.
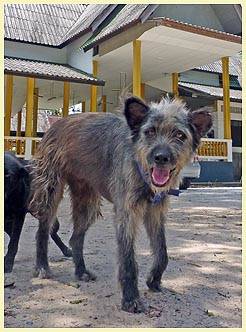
201 286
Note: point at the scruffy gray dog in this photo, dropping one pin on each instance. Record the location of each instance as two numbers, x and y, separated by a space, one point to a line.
133 161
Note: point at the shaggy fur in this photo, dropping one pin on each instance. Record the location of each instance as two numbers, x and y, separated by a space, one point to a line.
16 192
100 155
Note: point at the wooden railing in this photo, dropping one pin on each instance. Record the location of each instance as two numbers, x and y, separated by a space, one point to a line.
215 149
23 147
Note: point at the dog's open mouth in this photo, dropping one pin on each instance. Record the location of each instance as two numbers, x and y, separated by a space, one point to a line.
160 176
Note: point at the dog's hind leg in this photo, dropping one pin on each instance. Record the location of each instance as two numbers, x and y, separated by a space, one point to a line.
85 209
46 221
154 222
64 249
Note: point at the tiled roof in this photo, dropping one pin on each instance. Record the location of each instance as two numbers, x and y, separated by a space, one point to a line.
213 91
235 66
128 15
48 70
40 23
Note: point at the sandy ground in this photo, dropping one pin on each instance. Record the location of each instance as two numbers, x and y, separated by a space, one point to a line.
202 283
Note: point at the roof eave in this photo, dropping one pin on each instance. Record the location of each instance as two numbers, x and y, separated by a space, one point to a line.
59 46
93 26
147 12
54 78
31 43
199 30
78 35
175 25
131 24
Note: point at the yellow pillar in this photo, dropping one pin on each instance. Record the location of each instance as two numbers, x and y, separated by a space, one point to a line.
104 103
8 104
66 95
143 90
19 117
93 106
226 97
136 71
175 84
83 106
35 118
29 106
18 131
35 113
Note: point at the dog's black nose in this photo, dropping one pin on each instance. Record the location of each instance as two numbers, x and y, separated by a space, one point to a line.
162 158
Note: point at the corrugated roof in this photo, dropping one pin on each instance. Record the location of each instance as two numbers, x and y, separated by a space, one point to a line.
213 91
48 70
131 14
128 15
84 21
40 23
235 66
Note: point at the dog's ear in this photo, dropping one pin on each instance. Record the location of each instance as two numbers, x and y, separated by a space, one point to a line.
201 120
135 111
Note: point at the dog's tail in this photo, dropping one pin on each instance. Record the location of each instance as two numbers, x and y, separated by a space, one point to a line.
46 177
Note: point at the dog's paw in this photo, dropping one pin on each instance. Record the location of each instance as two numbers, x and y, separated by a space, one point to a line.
135 306
154 285
42 273
86 276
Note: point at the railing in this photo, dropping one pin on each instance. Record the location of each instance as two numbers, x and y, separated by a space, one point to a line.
215 149
210 148
23 147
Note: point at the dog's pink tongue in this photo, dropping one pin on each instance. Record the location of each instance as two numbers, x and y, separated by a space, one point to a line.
160 176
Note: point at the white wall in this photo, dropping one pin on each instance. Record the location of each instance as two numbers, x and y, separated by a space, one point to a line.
76 57
34 52
164 83
70 54
202 15
234 116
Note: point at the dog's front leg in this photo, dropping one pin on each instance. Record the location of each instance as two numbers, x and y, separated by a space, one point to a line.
155 225
128 271
14 233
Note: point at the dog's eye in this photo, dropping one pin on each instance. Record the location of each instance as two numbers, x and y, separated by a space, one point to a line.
150 132
180 135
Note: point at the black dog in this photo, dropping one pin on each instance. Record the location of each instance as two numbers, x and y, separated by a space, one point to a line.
17 181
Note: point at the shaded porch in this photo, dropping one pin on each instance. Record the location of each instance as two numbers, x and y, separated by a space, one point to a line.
34 85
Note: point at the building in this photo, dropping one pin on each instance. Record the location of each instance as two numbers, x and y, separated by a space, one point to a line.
57 56
202 86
